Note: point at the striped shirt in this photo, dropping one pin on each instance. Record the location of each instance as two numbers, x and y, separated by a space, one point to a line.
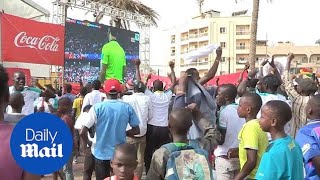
299 104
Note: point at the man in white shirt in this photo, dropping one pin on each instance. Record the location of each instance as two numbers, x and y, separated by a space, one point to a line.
229 126
142 106
30 93
95 96
269 86
157 132
88 166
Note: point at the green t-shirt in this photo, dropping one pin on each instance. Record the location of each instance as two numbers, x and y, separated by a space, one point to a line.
114 57
283 159
251 136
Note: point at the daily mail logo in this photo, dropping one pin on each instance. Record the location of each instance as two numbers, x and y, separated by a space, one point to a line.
33 150
41 140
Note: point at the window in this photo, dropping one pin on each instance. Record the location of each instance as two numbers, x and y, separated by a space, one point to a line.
241 60
173 52
223 59
223 44
222 30
242 45
318 58
304 60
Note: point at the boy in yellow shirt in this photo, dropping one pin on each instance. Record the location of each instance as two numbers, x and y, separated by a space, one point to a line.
77 105
253 140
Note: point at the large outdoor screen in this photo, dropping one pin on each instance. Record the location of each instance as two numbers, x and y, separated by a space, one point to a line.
83 43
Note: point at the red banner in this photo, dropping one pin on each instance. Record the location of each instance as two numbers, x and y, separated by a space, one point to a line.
28 41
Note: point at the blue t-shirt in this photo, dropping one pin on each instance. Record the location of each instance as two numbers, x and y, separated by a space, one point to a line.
282 160
111 118
308 138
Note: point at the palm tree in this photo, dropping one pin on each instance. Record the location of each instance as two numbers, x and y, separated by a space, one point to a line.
200 4
253 33
134 6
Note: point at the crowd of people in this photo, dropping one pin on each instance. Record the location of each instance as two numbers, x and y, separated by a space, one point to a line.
85 71
265 127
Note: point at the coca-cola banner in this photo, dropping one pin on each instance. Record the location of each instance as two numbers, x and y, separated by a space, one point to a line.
28 41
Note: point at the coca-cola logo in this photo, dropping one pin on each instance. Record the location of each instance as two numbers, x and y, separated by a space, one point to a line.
47 42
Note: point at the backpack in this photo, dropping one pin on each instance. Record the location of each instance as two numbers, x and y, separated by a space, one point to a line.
187 163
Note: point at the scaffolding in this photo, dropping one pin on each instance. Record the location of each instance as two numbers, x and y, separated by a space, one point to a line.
144 22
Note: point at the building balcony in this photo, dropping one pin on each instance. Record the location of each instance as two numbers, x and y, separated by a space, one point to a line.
203 34
243 33
193 36
242 47
184 39
184 52
198 65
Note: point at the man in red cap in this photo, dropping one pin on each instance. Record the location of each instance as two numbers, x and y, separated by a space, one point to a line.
111 118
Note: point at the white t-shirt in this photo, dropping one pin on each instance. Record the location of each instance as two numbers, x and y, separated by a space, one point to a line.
46 107
160 107
80 122
142 106
229 120
30 94
266 97
93 98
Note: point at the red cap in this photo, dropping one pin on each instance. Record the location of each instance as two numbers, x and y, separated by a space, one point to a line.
112 86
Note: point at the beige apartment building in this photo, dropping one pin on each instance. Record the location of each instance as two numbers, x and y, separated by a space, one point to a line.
233 35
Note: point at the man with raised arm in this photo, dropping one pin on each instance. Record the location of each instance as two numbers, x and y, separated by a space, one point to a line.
157 128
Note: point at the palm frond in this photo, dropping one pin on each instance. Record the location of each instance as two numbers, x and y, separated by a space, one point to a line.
134 6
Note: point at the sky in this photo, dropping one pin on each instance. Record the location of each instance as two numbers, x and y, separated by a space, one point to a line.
282 20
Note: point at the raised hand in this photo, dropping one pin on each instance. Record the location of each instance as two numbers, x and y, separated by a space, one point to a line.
219 52
149 76
272 64
264 62
137 62
290 56
171 64
246 66
217 81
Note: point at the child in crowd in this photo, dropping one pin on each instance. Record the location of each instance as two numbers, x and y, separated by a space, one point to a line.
180 121
64 112
124 162
88 166
283 157
229 125
16 102
308 138
253 141
77 106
